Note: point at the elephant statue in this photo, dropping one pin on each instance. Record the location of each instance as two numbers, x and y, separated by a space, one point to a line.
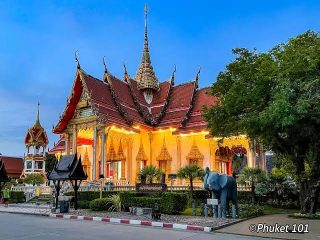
222 187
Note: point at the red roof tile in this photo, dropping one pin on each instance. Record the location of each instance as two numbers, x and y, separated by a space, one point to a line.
13 165
120 102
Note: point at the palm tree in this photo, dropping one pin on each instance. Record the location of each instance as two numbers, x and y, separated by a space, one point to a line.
191 172
251 176
151 172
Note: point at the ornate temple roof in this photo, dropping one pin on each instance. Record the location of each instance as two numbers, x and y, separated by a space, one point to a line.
36 135
142 100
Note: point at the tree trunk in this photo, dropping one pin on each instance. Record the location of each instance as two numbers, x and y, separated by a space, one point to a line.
191 187
253 194
309 195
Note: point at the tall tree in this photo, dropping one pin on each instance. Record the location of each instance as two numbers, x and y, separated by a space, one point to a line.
191 172
274 98
252 176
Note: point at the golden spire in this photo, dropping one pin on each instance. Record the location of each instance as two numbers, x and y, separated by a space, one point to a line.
146 77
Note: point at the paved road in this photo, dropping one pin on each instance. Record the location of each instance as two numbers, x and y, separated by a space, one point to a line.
25 227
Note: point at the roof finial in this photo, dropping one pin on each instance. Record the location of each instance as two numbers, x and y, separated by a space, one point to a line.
38 114
146 15
197 77
76 59
104 64
126 76
173 74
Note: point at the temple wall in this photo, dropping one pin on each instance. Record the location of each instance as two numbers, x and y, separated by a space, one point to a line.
178 147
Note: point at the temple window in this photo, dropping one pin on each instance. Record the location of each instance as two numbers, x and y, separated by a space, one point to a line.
29 164
141 158
116 162
223 157
164 159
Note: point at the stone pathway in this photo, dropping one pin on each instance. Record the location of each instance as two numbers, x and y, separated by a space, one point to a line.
270 220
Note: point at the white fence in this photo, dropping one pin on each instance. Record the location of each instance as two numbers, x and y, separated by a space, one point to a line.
30 191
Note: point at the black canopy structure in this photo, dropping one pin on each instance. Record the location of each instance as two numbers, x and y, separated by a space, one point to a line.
68 168
3 176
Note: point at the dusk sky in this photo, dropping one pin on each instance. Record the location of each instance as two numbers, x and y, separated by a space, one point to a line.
38 40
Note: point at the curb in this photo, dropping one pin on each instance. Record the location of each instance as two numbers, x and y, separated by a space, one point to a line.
135 222
27 213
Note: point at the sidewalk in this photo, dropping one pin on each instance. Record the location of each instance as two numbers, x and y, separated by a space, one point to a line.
280 219
31 209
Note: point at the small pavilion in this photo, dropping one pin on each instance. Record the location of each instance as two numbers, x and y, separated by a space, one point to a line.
68 168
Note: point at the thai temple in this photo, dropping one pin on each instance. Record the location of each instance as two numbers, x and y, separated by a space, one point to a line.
118 125
36 142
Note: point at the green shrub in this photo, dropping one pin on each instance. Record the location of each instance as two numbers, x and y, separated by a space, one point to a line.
201 195
84 204
244 197
17 197
91 195
148 202
126 199
173 203
249 210
100 204
116 202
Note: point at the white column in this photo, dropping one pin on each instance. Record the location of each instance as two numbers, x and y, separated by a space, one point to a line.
67 146
33 163
103 142
74 140
94 157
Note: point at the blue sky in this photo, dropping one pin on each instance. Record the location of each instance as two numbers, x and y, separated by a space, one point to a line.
38 40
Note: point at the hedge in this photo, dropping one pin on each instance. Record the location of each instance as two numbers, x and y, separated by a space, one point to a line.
91 195
100 204
173 203
249 210
148 202
17 197
83 204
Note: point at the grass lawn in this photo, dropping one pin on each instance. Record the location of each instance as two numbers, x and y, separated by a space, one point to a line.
273 210
188 212
267 211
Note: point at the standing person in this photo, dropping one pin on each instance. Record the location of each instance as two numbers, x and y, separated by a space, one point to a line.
6 196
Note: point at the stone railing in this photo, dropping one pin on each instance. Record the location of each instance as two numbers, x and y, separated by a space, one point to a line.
244 187
32 189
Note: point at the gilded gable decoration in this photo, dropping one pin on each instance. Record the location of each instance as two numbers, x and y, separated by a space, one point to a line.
164 154
111 156
120 155
141 156
195 156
